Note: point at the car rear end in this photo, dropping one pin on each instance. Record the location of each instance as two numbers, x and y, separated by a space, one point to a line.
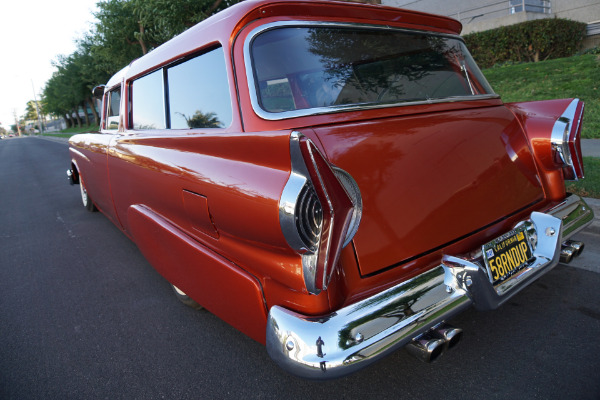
414 191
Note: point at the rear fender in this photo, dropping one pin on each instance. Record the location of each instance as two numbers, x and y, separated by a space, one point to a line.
553 128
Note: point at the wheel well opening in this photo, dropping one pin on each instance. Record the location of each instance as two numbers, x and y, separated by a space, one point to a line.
75 173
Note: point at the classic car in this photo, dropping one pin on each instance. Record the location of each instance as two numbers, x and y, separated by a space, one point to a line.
335 180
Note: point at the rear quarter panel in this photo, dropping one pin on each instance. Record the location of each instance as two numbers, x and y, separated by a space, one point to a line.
221 189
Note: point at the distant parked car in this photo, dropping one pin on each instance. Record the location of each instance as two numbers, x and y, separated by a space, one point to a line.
335 180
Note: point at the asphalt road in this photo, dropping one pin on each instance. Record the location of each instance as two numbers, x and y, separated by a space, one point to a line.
84 316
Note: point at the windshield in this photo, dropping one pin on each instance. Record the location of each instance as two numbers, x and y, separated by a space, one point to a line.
297 67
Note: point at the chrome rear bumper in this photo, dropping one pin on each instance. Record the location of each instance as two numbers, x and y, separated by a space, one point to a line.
349 339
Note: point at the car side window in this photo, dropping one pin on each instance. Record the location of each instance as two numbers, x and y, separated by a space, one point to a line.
147 102
193 93
112 109
199 92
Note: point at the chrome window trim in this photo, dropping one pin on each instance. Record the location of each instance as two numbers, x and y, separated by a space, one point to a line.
270 116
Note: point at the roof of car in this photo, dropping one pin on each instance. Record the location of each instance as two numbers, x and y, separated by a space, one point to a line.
224 26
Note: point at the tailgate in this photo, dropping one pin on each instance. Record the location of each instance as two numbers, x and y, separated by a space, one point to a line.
429 179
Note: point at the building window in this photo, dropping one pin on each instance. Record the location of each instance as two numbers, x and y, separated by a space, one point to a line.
536 6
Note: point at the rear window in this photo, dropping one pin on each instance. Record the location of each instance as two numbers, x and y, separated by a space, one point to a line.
307 67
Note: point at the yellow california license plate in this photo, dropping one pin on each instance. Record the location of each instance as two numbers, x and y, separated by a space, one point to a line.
507 254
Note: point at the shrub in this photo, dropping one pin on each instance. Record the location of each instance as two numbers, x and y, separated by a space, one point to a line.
529 41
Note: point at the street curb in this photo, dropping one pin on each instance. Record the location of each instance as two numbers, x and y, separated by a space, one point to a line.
54 138
595 206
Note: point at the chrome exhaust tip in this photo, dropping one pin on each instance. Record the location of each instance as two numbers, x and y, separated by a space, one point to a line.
432 344
449 334
426 348
569 250
576 246
566 255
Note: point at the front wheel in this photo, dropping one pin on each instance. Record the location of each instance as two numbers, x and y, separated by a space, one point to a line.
185 299
85 197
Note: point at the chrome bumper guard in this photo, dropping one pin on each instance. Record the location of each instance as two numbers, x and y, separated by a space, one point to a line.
351 338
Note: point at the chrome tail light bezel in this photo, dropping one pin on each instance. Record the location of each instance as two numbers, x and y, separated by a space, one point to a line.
566 141
316 186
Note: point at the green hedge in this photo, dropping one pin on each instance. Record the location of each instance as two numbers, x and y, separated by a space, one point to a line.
529 41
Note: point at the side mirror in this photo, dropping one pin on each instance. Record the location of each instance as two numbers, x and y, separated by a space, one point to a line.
98 92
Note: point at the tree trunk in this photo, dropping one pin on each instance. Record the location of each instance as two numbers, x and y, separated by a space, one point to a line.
93 107
85 113
141 38
68 120
77 117
213 7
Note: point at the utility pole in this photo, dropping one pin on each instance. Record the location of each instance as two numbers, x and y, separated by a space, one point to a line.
17 122
37 108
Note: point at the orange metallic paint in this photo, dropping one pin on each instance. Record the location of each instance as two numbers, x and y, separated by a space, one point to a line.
427 180
537 119
89 153
414 165
220 286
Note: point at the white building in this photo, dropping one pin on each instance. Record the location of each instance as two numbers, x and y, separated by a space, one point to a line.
481 15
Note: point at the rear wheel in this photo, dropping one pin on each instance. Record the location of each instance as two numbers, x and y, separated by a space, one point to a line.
185 299
85 197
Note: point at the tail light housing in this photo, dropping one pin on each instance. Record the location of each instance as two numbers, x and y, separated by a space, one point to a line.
566 141
319 211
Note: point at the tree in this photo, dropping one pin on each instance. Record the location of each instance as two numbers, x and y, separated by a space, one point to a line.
31 113
161 20
114 38
202 120
125 30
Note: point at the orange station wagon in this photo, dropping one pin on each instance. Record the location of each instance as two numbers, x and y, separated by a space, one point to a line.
335 180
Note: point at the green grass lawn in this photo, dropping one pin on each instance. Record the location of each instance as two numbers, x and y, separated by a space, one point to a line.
75 130
577 76
590 186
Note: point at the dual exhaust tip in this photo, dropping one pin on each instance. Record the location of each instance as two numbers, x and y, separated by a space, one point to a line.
569 250
432 344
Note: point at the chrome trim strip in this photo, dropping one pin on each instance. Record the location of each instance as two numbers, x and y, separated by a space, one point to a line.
299 176
351 338
560 135
575 215
248 62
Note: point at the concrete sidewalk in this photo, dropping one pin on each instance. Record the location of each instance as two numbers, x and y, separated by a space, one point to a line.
590 147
